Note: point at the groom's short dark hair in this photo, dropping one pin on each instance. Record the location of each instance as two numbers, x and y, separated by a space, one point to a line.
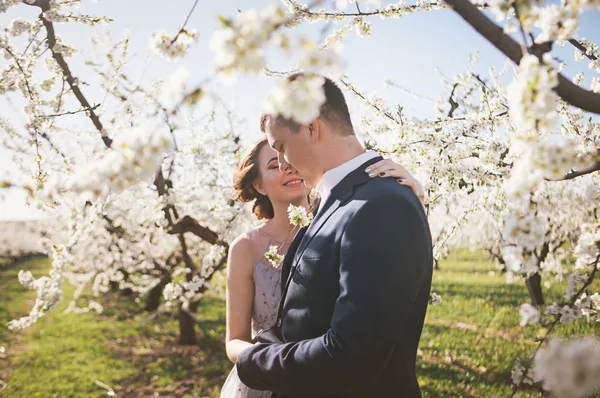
334 110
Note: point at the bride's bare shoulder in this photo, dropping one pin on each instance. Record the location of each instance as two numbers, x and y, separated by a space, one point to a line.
242 249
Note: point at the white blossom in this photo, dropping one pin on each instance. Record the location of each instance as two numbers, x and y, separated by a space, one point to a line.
299 216
435 299
299 100
595 86
529 314
19 26
239 44
557 22
162 44
532 101
568 315
569 370
274 257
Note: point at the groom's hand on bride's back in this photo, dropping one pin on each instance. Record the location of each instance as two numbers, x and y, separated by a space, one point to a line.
270 336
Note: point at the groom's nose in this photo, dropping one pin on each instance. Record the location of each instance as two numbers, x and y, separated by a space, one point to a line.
283 165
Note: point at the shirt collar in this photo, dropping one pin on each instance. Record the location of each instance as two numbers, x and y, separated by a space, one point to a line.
334 176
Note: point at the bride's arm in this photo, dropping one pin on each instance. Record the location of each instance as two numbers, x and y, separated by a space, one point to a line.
240 296
389 168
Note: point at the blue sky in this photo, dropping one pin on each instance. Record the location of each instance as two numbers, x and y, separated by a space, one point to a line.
408 50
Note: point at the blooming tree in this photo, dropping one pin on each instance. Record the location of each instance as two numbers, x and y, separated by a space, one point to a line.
523 156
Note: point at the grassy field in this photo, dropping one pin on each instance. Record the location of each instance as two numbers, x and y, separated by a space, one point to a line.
467 349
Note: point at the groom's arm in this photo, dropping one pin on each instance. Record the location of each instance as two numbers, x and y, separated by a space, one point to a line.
383 258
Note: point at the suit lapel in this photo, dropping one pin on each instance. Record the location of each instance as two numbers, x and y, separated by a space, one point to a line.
289 256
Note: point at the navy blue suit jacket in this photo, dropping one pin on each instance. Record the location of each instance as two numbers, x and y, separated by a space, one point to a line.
354 302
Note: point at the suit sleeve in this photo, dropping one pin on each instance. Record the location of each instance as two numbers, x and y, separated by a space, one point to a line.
382 264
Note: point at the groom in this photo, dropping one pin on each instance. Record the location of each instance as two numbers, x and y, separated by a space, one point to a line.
355 282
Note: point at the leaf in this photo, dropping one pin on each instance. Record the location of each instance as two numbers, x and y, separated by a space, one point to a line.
224 21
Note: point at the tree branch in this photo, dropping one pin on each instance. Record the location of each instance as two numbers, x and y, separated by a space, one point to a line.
453 104
583 49
189 224
578 173
567 90
44 5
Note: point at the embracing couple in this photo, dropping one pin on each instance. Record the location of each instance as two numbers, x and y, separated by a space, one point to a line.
342 314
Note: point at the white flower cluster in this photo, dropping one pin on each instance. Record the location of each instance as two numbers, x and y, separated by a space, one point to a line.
521 375
568 370
187 292
435 299
524 232
190 292
557 22
589 306
531 99
503 9
299 216
321 58
162 44
274 257
556 155
588 246
135 155
239 44
49 292
529 314
595 85
363 26
173 89
591 49
19 26
63 49
299 100
5 4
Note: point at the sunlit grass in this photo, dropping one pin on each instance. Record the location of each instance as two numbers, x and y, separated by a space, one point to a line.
468 346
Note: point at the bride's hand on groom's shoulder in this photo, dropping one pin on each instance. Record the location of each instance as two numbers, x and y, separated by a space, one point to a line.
389 168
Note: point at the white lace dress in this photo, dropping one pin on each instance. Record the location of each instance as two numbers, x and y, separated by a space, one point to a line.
267 293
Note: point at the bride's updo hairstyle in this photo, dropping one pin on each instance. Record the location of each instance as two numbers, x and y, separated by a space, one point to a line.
247 173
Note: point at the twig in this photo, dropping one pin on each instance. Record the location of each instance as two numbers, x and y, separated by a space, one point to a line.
74 112
578 173
583 49
361 95
185 22
453 104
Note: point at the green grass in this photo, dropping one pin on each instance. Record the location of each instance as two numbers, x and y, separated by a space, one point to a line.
468 346
470 341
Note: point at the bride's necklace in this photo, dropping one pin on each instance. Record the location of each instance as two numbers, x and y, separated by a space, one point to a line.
299 218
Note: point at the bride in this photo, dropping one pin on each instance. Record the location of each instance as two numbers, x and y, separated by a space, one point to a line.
253 282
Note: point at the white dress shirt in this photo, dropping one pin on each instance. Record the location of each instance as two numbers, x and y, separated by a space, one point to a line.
334 176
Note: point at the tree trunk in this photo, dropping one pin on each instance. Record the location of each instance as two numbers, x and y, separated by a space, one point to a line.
153 298
436 264
534 287
187 331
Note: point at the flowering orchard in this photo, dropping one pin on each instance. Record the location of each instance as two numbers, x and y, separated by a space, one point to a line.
510 169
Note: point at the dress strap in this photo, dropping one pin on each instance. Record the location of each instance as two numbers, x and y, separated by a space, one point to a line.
269 237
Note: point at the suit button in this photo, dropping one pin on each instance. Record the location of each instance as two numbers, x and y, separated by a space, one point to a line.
279 322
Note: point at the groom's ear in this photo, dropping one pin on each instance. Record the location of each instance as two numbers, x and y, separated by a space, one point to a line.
314 131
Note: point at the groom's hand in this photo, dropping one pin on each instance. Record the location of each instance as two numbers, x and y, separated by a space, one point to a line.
268 336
